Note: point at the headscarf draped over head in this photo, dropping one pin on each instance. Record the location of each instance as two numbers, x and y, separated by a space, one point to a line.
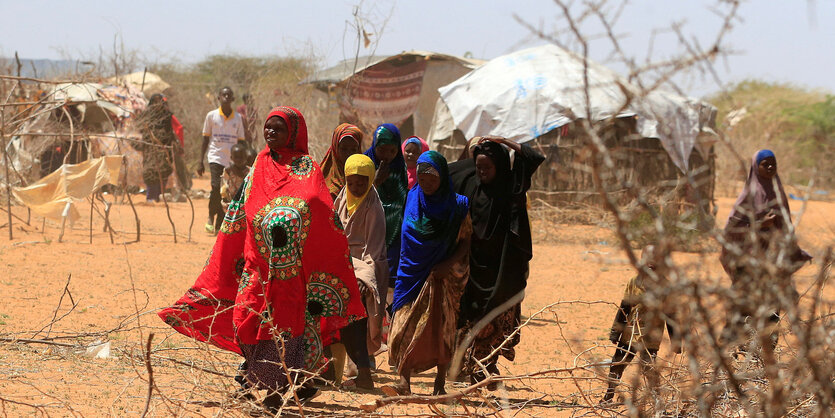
759 195
296 126
361 165
393 191
430 228
494 198
386 134
280 263
331 169
423 146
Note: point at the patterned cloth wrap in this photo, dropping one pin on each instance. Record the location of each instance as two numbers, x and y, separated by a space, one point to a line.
280 267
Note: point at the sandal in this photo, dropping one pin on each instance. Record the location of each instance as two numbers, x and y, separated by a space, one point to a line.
390 390
307 393
351 385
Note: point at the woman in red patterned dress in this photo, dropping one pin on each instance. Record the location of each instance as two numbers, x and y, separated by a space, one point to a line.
279 284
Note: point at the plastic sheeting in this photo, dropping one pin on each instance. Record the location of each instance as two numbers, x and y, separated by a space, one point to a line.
149 83
528 93
53 196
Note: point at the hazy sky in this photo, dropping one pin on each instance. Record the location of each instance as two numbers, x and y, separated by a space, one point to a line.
776 40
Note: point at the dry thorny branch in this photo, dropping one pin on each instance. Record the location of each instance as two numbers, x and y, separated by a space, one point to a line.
715 374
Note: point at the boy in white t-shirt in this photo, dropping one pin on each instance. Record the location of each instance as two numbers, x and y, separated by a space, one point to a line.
222 129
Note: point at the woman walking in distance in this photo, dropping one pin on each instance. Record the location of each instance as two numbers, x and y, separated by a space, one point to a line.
760 253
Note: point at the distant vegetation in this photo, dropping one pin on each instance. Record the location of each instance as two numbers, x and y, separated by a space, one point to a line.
796 123
272 81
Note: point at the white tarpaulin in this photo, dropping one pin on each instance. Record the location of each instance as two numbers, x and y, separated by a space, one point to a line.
87 93
54 195
148 83
528 93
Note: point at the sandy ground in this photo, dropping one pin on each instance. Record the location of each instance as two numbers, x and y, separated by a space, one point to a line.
110 283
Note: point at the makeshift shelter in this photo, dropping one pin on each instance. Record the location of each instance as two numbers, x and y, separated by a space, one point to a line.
400 89
538 94
144 81
74 122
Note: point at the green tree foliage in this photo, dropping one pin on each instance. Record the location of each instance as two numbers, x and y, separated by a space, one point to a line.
797 123
813 129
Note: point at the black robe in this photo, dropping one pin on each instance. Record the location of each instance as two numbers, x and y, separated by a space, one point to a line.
501 242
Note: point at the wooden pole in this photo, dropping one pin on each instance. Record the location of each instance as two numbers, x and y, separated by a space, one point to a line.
91 219
107 226
64 217
190 225
130 200
167 210
8 180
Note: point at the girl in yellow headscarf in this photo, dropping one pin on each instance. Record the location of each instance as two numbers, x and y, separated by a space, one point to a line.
361 213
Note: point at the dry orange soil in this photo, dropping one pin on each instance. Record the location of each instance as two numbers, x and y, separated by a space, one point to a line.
112 282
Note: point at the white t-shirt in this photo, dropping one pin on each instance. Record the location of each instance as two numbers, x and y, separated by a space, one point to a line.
224 132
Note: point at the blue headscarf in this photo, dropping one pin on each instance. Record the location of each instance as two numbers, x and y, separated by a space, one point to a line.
763 154
385 134
430 228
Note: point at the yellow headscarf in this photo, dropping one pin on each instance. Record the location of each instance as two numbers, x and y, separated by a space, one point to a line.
358 164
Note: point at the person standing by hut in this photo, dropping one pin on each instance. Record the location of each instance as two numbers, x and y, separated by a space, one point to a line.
760 253
432 273
222 129
278 284
392 186
500 251
345 142
157 145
